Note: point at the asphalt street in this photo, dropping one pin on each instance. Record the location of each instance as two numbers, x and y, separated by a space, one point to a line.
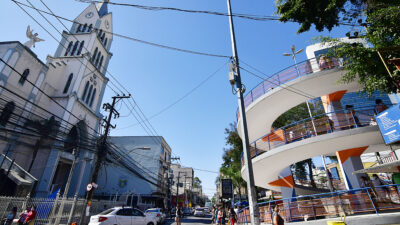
191 220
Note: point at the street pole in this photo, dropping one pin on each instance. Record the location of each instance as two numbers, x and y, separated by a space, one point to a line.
253 207
177 191
102 150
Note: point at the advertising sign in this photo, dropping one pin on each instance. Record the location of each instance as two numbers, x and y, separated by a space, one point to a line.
389 124
226 185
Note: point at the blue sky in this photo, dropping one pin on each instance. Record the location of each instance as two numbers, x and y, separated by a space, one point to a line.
194 128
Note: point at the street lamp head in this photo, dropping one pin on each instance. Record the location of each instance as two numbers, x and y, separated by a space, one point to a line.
299 51
287 54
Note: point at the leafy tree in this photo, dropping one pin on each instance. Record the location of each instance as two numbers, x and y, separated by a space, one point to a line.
381 19
231 166
196 182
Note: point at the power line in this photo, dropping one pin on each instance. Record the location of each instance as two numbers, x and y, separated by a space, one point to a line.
238 15
179 99
132 38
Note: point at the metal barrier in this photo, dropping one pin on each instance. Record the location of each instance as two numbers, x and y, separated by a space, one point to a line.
48 209
331 204
314 126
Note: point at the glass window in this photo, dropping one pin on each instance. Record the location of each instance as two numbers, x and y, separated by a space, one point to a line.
125 212
89 94
94 55
68 48
6 113
137 212
79 28
84 27
74 48
80 48
92 98
24 77
68 83
85 90
101 62
90 28
108 211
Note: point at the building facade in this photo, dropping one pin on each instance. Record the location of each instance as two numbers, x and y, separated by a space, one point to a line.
139 176
66 98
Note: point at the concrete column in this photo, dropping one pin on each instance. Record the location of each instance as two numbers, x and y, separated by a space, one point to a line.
331 103
350 161
43 186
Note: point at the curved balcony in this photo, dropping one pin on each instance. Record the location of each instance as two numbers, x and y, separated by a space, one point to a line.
280 92
320 135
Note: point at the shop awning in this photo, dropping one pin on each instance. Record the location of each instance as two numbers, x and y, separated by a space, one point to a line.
392 167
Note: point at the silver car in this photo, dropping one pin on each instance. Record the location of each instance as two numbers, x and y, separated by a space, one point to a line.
157 213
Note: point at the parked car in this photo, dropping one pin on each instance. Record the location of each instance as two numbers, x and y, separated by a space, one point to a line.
122 216
158 213
198 212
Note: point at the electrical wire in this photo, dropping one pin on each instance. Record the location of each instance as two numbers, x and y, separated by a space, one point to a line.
179 99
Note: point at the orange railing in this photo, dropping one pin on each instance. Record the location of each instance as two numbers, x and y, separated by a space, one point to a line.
320 206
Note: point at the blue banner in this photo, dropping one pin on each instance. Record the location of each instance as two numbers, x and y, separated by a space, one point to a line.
389 124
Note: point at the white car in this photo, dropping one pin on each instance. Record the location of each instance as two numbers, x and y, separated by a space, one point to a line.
158 213
122 216
199 212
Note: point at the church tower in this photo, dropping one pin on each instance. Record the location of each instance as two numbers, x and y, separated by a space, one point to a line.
77 80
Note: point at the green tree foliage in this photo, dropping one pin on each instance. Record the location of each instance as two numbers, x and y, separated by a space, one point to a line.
380 18
196 182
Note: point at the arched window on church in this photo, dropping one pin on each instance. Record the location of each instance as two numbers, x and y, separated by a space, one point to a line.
84 27
103 36
101 62
68 48
89 94
68 83
100 33
105 43
92 98
24 76
94 55
90 28
79 28
85 90
74 48
97 59
6 113
80 48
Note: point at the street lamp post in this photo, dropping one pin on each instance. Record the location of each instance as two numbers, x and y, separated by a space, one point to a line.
235 79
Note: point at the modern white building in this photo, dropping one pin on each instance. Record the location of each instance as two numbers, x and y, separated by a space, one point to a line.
68 93
345 129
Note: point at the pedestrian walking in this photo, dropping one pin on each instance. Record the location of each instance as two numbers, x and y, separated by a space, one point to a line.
277 219
213 215
232 216
30 218
23 216
178 215
10 217
220 217
216 215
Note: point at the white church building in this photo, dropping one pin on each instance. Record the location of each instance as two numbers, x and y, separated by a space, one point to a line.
50 110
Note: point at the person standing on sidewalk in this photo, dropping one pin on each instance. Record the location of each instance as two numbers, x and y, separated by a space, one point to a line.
178 215
23 216
10 217
277 219
30 218
232 216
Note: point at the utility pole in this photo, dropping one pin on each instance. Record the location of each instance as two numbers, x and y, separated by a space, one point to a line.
102 149
253 207
177 191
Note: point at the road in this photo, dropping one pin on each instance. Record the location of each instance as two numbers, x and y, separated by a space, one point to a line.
191 220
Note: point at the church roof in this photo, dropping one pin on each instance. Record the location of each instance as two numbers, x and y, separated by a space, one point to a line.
103 8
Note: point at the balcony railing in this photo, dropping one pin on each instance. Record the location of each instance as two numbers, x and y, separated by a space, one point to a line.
289 73
314 126
325 205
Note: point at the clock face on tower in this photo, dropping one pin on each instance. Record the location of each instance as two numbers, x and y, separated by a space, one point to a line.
89 15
